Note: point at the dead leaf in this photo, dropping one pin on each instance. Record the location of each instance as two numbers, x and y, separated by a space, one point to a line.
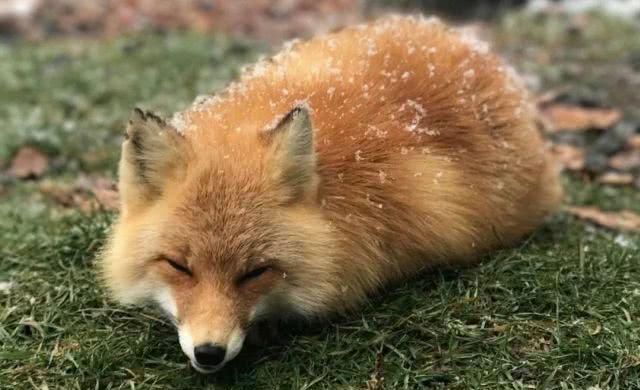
568 156
622 220
28 163
548 97
625 161
567 117
106 194
616 178
59 193
86 193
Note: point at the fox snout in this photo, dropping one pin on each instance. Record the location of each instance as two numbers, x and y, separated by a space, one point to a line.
209 353
210 328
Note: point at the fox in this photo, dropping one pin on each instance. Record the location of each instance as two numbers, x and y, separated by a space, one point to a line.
334 168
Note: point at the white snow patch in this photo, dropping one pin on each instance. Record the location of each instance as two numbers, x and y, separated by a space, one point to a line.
273 123
420 113
202 100
383 176
432 69
258 69
289 45
179 122
278 118
471 39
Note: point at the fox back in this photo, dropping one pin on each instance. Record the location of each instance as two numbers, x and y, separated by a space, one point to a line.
333 168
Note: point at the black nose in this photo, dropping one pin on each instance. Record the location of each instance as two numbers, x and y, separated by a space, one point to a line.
209 354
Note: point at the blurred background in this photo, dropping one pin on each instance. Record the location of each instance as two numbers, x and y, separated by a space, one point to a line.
562 307
72 69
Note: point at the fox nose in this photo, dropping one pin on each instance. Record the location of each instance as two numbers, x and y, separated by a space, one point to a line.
209 354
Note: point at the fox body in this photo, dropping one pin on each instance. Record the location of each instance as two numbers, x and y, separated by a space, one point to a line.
333 168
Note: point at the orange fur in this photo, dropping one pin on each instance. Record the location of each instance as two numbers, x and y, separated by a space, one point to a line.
424 152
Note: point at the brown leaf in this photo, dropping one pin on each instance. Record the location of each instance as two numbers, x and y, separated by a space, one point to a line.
28 163
548 97
616 178
568 156
59 193
625 161
106 194
566 117
86 193
622 220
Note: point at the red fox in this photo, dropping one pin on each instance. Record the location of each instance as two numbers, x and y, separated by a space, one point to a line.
338 166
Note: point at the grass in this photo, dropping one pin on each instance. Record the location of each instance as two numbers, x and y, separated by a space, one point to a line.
559 312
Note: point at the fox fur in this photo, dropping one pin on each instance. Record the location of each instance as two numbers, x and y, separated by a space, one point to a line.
337 166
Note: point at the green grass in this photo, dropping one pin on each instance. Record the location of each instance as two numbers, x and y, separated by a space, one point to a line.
596 58
561 311
72 98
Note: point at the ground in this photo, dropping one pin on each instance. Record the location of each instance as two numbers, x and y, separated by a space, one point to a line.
560 311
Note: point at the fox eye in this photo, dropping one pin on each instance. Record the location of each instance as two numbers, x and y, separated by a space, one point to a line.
178 267
254 273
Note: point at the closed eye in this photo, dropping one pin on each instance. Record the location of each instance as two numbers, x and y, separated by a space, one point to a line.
254 273
178 267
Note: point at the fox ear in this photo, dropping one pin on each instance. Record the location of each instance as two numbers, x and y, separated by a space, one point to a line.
151 153
295 158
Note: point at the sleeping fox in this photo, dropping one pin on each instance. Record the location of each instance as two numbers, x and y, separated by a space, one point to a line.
338 166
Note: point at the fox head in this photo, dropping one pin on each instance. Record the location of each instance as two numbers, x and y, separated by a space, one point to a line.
220 229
